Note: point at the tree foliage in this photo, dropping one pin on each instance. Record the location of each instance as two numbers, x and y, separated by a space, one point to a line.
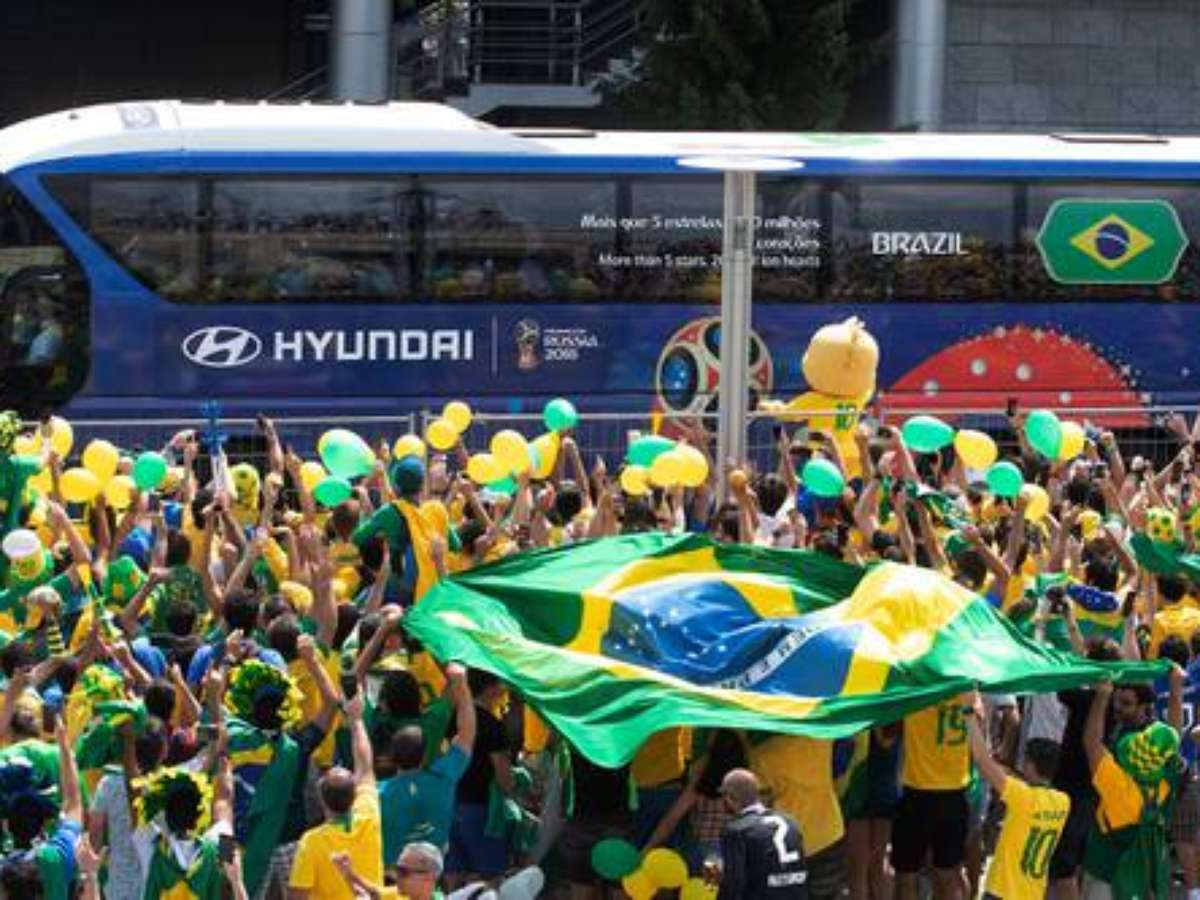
738 65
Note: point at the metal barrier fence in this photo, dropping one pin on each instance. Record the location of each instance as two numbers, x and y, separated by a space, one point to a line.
1141 431
244 439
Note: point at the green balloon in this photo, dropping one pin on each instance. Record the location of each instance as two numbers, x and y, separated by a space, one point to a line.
560 414
332 491
149 471
504 486
613 859
645 450
822 478
926 434
1005 480
1043 430
346 455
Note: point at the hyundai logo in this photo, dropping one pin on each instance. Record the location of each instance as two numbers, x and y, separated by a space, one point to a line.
221 346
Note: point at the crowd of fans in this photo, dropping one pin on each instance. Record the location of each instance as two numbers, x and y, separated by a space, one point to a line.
211 692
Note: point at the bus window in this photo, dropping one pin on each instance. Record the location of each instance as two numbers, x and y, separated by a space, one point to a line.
922 241
314 238
151 225
530 240
1036 282
674 250
790 243
44 312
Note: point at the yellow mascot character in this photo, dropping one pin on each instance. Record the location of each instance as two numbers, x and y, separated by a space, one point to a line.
839 365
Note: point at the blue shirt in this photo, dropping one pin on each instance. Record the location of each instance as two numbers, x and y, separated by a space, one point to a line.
203 658
419 806
1191 711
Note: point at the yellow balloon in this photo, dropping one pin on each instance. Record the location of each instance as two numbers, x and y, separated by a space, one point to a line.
79 486
638 885
635 480
101 459
484 468
312 474
697 889
457 414
976 449
547 447
119 492
1073 440
695 466
667 469
665 868
511 449
408 445
27 444
62 436
441 435
1037 502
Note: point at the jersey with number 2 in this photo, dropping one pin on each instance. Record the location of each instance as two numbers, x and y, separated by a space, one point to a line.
762 857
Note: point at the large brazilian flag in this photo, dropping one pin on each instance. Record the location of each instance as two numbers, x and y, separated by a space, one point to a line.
615 639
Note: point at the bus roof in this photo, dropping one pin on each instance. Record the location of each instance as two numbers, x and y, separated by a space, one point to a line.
172 126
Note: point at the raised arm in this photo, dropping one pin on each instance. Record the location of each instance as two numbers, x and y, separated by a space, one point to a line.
72 795
1093 730
988 767
360 742
464 707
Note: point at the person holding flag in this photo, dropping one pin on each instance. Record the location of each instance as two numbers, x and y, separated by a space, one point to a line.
1034 814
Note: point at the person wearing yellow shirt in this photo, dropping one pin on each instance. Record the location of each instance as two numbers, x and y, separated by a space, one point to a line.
1034 815
932 816
1172 617
350 803
659 769
798 774
1127 852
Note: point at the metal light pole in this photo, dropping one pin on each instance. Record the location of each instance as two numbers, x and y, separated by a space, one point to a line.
737 273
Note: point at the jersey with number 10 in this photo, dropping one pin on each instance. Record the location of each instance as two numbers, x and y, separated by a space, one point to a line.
937 756
1033 820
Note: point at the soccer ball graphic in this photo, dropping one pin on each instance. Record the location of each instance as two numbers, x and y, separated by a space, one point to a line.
1160 524
689 369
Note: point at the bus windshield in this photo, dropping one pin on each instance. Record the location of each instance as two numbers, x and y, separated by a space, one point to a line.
44 311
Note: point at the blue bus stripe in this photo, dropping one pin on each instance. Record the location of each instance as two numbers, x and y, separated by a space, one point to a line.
569 164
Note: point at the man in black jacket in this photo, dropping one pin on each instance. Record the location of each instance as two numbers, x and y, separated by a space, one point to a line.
762 856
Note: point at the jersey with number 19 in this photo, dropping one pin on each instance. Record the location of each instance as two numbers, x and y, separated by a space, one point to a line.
936 754
1033 820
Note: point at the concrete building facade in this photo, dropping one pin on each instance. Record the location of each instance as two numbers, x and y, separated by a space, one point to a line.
1072 65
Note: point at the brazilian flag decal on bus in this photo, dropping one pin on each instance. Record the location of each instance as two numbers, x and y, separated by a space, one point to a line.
1111 241
615 639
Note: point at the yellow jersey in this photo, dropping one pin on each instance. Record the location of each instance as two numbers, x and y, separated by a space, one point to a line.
836 417
1121 799
937 756
1033 821
1175 620
663 758
362 839
798 771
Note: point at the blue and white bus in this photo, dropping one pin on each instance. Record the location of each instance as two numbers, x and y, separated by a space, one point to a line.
373 260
